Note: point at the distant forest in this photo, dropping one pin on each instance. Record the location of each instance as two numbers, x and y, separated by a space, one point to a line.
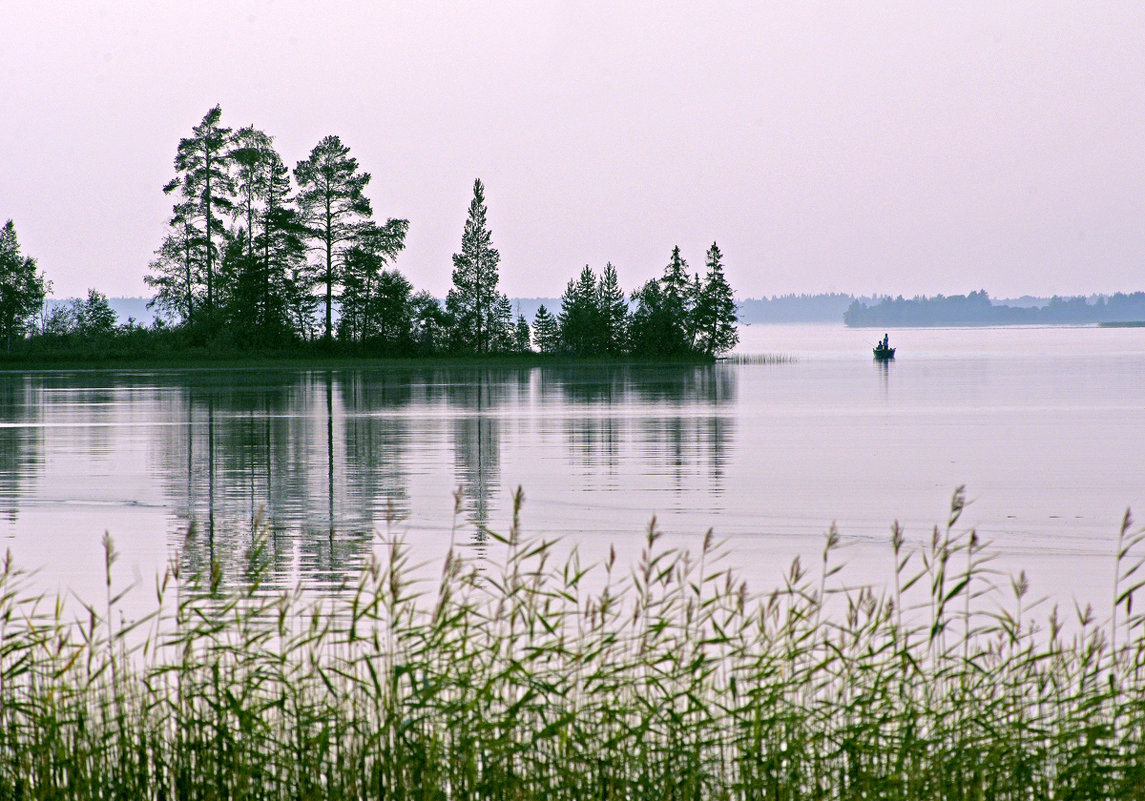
821 308
976 308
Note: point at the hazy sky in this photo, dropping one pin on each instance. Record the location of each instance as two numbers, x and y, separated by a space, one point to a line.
899 147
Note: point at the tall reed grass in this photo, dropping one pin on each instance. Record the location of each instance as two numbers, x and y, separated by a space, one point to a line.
545 678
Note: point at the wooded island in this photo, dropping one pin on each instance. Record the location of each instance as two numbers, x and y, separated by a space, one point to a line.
254 262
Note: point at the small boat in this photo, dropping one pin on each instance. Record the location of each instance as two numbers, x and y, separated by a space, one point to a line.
883 353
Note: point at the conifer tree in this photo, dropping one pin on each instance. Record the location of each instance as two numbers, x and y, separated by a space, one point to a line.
678 300
250 153
202 162
546 331
374 247
522 336
580 316
279 246
334 210
22 289
613 307
654 326
716 309
481 314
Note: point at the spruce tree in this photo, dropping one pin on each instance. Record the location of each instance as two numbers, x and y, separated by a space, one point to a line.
522 336
481 314
613 307
580 316
334 210
22 289
716 309
653 330
678 301
546 331
202 162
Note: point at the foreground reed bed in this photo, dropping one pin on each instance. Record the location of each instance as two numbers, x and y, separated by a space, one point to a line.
540 678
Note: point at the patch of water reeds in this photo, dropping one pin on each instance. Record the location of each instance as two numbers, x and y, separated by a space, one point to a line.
757 358
546 678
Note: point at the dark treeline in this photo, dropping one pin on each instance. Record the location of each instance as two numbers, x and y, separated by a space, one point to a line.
260 259
977 309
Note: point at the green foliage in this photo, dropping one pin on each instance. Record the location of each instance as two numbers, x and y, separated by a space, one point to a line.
580 318
679 298
176 272
22 289
546 331
271 249
202 166
375 303
522 336
525 674
654 329
613 310
481 314
334 210
431 324
715 311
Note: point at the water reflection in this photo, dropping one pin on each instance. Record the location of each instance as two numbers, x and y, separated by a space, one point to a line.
329 461
21 439
664 417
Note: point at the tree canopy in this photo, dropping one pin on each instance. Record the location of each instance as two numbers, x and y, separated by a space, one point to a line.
22 289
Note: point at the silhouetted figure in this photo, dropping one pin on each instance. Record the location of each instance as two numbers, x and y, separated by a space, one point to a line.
886 342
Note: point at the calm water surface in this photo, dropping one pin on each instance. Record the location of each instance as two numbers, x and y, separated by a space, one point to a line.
1045 427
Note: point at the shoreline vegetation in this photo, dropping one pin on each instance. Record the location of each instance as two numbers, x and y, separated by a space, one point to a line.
261 260
543 678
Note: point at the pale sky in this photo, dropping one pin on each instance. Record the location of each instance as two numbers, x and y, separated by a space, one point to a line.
864 146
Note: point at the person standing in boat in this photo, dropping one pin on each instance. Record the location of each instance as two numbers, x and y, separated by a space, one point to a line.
886 342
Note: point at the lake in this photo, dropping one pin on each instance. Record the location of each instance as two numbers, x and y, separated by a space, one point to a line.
1044 426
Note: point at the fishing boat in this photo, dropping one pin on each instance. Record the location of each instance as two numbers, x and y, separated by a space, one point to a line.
883 353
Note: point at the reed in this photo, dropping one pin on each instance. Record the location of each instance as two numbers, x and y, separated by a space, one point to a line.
757 358
545 678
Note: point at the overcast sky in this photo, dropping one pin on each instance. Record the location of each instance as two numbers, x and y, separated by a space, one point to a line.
862 146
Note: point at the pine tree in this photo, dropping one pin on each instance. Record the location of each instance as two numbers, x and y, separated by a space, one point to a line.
279 246
522 336
716 309
202 162
546 331
22 289
613 308
334 210
251 151
580 317
481 314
